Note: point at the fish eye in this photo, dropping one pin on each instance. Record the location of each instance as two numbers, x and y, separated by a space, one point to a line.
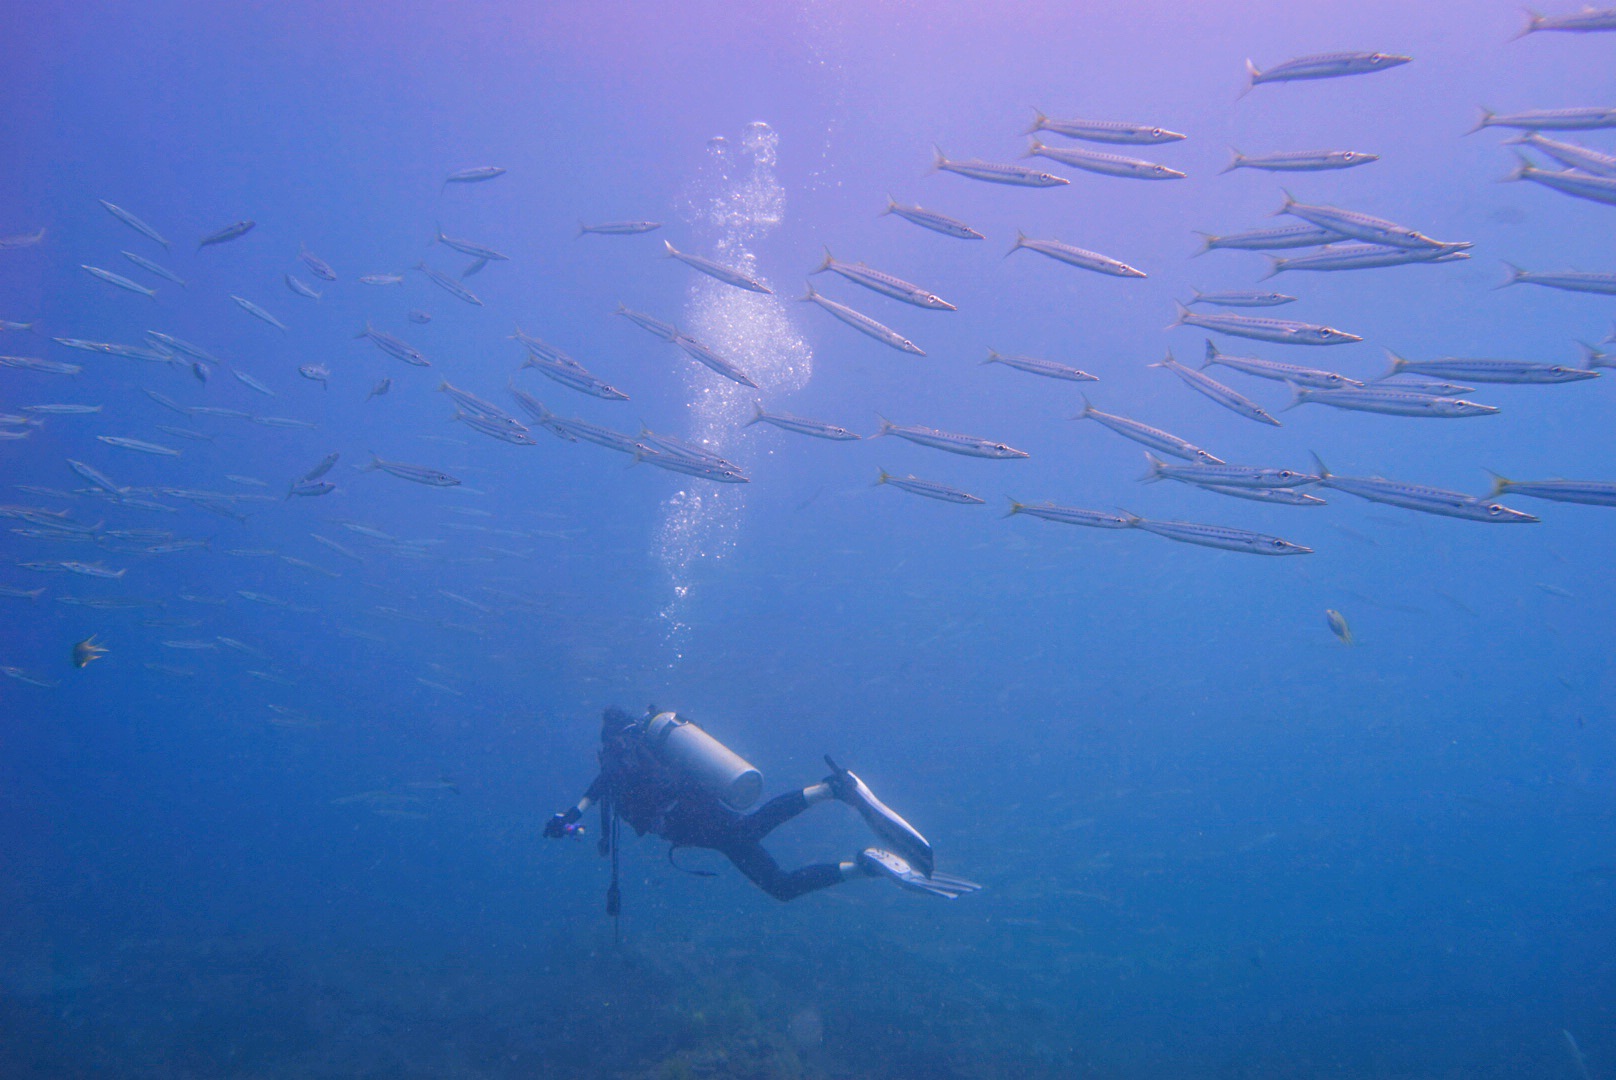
1495 510
1279 543
1156 132
1286 474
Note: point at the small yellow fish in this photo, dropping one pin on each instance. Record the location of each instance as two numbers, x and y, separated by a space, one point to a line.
1338 625
87 650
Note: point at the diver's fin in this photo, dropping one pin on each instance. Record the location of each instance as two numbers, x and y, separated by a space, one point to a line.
882 820
879 863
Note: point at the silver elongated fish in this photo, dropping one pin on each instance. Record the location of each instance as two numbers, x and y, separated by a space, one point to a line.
1235 476
1365 257
968 445
1075 256
1359 226
1279 331
153 268
1573 182
301 287
119 280
315 373
1586 492
666 331
800 425
619 228
475 405
882 282
1275 238
1105 164
669 444
546 351
474 175
931 489
1273 369
1276 496
96 477
95 570
449 285
863 323
8 324
1589 20
34 363
571 375
723 473
64 409
1587 118
466 247
1242 298
1323 66
226 234
996 173
1571 155
1488 371
1070 515
418 473
1219 536
1568 280
133 222
728 275
1229 398
282 422
703 354
1299 160
21 240
257 312
1106 131
381 279
507 429
219 410
1432 387
1426 500
139 445
1146 435
133 352
393 347
574 430
419 317
317 266
1047 368
180 345
1387 400
167 402
930 219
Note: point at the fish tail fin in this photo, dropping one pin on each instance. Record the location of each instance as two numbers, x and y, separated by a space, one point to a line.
1179 315
1235 162
883 478
1252 75
825 264
938 160
1590 356
1298 394
891 202
809 296
1515 273
374 463
1039 120
1290 201
366 331
582 229
1034 147
1485 120
1533 22
1276 265
1154 472
1088 408
1523 167
886 426
1211 356
993 357
1318 466
757 413
1397 364
1207 240
1021 242
1500 484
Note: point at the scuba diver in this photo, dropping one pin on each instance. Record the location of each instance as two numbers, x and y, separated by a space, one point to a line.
665 775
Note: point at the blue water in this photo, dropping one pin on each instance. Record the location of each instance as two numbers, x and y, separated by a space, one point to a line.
1215 841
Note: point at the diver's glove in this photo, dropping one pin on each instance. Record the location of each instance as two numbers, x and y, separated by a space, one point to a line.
556 827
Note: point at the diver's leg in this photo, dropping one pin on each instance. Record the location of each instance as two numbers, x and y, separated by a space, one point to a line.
758 865
782 808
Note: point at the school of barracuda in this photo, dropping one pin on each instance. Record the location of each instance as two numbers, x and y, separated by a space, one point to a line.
1319 239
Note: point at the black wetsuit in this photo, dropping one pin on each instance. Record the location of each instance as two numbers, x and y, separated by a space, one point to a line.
653 799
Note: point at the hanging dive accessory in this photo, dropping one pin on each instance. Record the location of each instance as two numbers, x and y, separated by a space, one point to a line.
608 846
712 766
686 870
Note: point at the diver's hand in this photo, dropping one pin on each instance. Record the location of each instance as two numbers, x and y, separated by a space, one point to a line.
556 827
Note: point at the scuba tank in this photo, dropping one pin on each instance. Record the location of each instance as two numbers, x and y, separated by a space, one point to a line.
714 767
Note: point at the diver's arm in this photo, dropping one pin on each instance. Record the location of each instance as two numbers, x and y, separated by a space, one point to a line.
556 827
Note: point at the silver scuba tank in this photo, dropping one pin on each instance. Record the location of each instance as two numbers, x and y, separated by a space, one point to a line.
714 767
